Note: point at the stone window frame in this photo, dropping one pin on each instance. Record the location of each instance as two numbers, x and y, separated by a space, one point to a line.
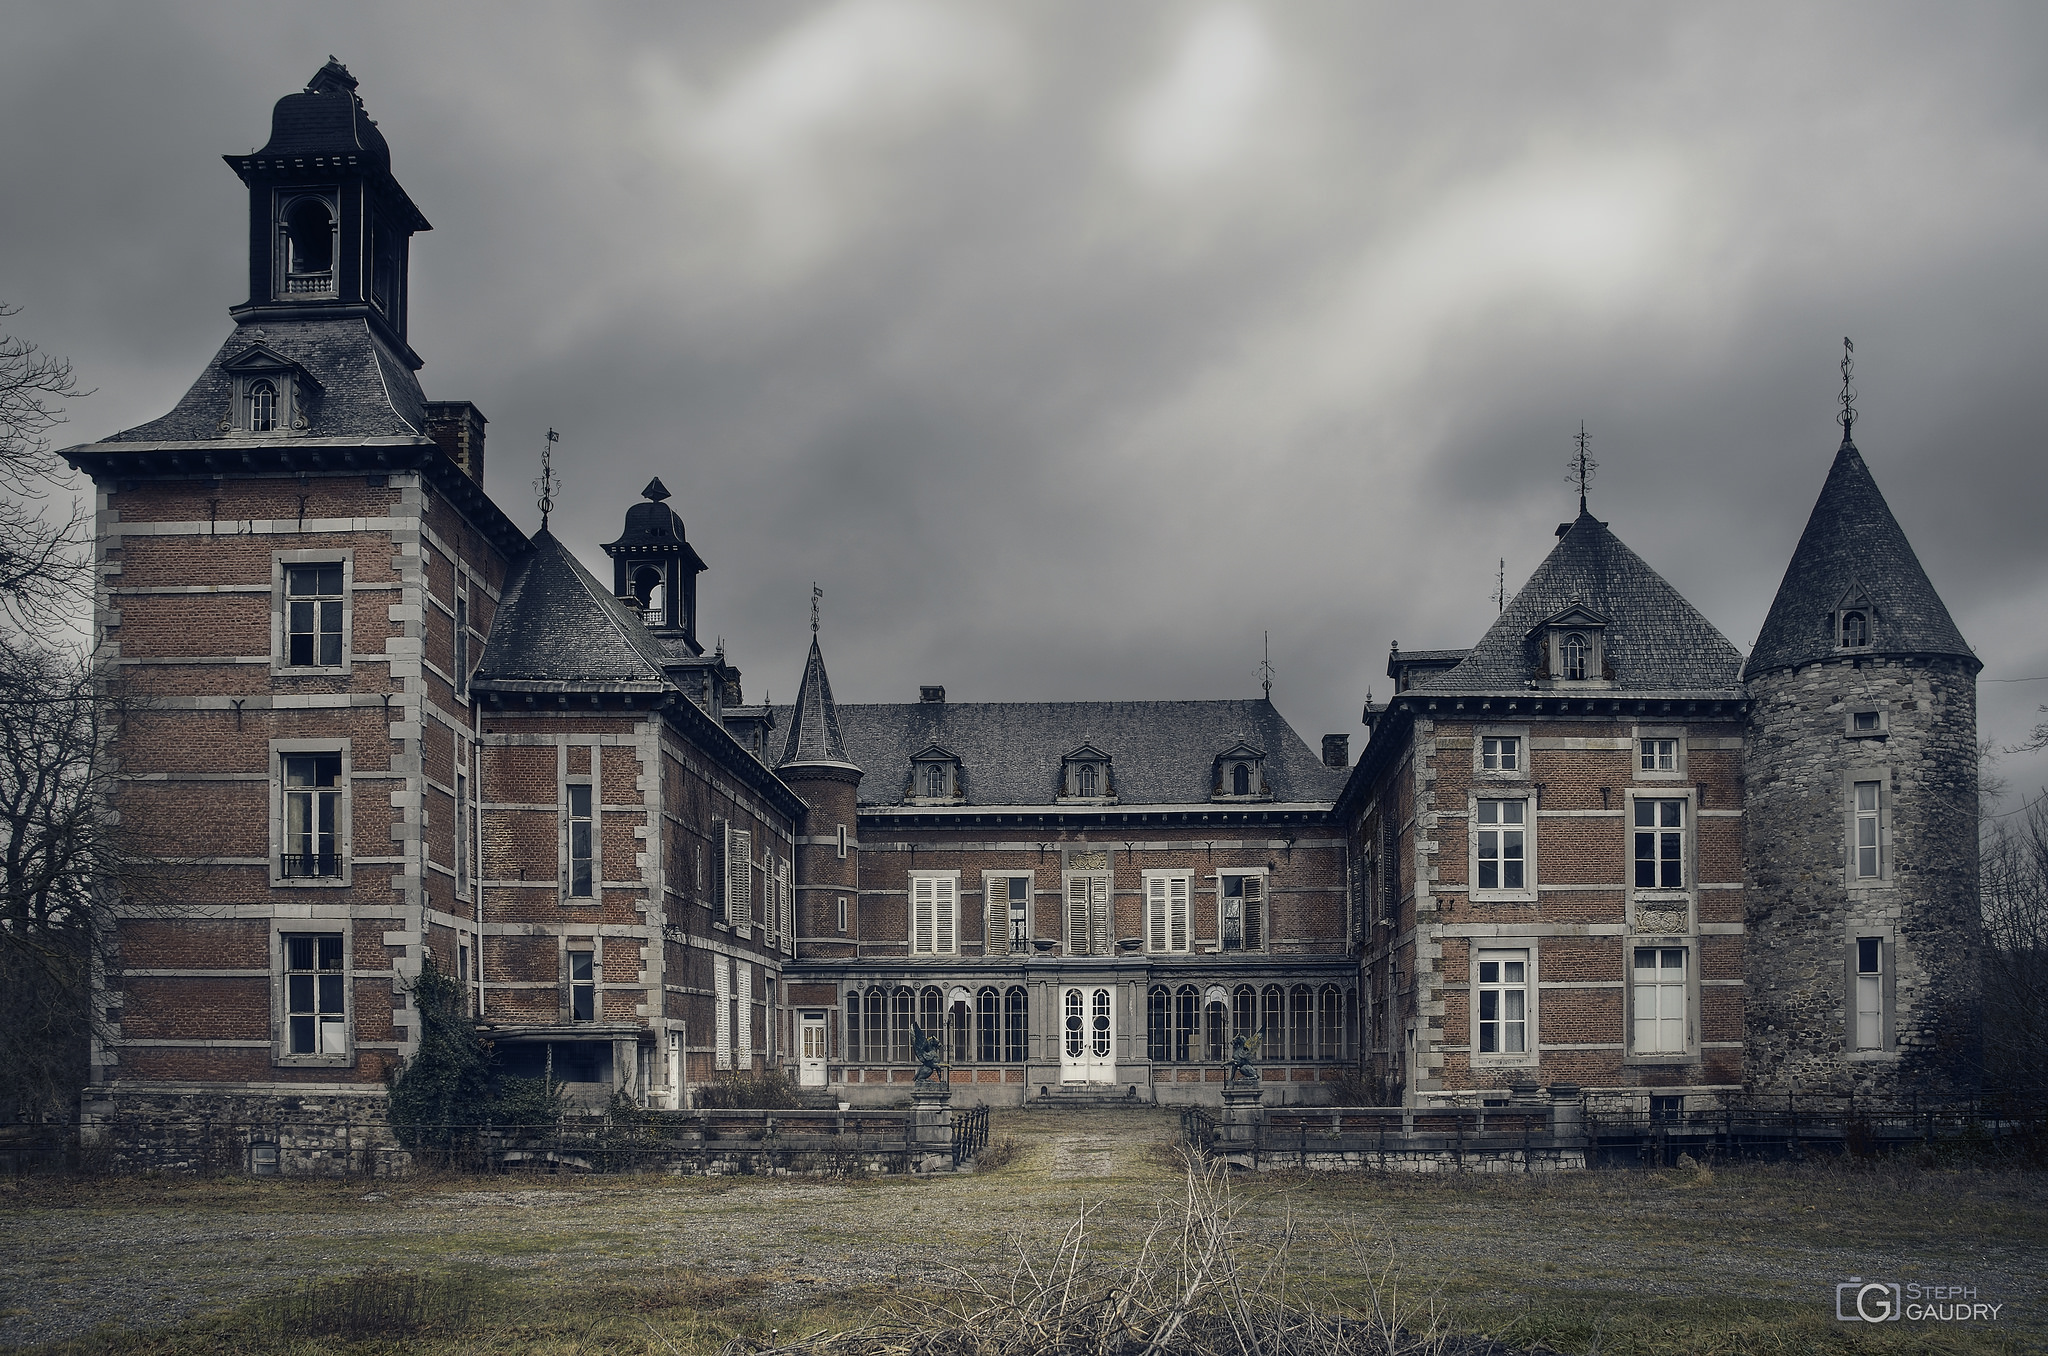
344 825
1680 769
565 999
1103 772
1856 600
1527 1058
565 877
1223 775
280 644
283 201
1265 874
281 1055
1637 898
1480 772
1886 935
1880 773
991 945
923 765
1883 728
1691 1053
1502 791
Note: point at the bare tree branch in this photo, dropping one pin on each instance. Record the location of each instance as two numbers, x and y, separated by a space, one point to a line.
44 561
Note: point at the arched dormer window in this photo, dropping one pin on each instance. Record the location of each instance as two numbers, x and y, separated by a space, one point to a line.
1239 774
935 776
1855 630
1084 775
936 782
1085 778
261 404
1574 650
1240 779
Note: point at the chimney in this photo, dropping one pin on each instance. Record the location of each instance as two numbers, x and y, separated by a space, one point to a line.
1337 750
457 428
931 694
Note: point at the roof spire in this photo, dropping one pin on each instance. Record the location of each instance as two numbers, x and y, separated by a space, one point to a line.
813 719
1582 466
547 482
816 594
1847 418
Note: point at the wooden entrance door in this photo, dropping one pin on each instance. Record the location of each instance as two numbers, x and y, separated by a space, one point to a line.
812 1052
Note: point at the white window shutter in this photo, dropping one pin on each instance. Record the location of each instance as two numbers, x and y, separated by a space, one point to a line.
1155 913
743 1057
1099 907
1177 913
921 915
788 910
1255 913
1077 916
739 879
721 986
946 916
996 915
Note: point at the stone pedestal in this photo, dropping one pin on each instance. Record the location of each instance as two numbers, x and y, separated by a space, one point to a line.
931 1127
1237 1135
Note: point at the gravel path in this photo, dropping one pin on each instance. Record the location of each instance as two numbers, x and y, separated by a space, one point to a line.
76 1255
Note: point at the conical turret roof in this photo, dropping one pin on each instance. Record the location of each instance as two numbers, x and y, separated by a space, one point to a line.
1853 553
814 720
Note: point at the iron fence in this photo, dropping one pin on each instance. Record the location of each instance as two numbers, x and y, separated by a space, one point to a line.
970 1133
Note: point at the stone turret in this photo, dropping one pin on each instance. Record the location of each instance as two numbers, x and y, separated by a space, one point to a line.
815 765
1861 817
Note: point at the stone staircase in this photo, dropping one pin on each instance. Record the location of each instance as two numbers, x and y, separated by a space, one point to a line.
1085 1096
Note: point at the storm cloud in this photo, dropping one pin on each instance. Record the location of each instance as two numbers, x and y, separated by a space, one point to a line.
1072 348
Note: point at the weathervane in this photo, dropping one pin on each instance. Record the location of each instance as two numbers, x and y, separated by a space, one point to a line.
816 594
1582 468
1266 667
1500 586
547 482
1847 418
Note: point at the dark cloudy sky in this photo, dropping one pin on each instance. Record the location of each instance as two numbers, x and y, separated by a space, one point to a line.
1072 346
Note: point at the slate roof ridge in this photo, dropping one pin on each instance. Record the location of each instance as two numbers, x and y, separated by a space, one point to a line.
1656 640
814 737
1852 540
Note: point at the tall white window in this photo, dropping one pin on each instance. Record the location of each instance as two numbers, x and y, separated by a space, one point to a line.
787 893
1008 923
1500 753
1241 901
1503 1002
934 913
315 994
1870 993
262 407
582 840
1502 849
1660 1000
1869 855
1660 844
739 878
1088 905
461 674
312 815
743 1015
1166 912
1659 755
721 1011
315 603
1084 780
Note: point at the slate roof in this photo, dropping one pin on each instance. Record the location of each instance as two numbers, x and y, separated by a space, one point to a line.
327 119
813 721
1655 640
366 390
1161 753
558 629
1853 544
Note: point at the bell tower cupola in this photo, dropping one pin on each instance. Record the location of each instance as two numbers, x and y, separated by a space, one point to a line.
329 228
655 569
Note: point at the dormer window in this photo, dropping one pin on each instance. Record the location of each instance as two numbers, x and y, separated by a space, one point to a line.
307 228
1855 630
1085 775
1855 621
261 403
1571 647
1240 774
1573 650
934 777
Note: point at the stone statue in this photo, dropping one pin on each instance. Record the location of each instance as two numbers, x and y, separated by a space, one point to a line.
926 1048
1244 1056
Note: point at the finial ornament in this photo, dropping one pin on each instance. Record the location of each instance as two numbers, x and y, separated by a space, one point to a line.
1582 468
816 594
655 490
1500 587
1266 667
547 482
1847 418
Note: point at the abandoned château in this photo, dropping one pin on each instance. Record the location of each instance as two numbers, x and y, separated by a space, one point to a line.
384 723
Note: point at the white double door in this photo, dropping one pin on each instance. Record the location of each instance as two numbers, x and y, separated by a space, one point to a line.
1087 1034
